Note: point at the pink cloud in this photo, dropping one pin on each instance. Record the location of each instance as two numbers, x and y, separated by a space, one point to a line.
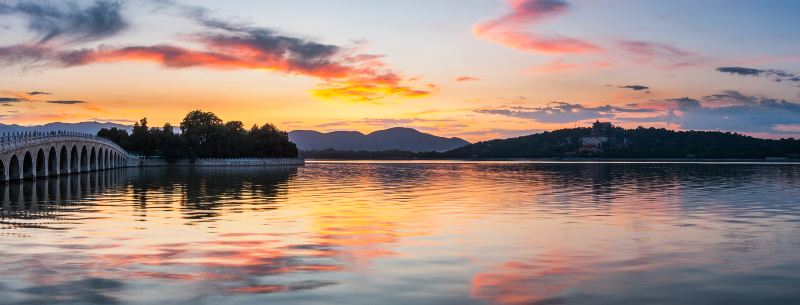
509 30
561 65
467 79
661 54
555 66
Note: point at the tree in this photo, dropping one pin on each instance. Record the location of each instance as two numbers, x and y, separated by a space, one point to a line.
268 141
202 132
116 135
141 139
173 146
203 135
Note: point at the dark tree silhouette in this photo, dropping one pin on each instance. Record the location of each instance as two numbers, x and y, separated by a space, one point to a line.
638 143
203 135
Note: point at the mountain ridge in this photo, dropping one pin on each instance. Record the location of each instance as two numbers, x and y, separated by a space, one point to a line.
396 138
87 127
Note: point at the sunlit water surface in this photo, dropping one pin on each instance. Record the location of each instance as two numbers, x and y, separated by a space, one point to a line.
407 233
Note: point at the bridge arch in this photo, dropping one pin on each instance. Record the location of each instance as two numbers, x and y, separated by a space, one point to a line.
52 161
41 164
63 158
34 155
84 159
74 160
27 166
93 160
100 164
14 171
102 157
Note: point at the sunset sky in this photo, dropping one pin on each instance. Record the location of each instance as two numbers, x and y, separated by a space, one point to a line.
477 69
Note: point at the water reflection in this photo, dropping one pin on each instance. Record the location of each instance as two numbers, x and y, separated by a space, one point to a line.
447 233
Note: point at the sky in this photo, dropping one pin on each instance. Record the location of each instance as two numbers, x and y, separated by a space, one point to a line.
476 69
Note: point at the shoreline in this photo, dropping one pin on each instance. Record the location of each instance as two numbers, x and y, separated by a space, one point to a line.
232 162
561 160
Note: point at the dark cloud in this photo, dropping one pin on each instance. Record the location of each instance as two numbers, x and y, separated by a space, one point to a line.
559 112
345 74
38 93
733 111
66 102
11 100
774 74
300 53
740 71
635 87
69 20
725 111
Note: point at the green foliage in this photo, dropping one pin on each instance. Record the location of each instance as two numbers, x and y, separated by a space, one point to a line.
640 143
119 136
203 135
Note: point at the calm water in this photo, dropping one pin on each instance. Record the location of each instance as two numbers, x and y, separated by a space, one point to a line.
441 233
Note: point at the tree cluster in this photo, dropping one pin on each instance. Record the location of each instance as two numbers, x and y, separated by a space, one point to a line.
203 135
639 143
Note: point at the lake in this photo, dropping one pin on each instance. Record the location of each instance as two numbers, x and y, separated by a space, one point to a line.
407 233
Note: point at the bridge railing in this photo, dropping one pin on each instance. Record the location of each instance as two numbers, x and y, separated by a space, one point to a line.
10 141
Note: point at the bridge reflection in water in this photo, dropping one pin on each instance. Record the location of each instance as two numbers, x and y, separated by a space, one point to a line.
198 190
35 198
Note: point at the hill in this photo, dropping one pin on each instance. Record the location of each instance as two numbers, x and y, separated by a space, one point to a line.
631 143
399 138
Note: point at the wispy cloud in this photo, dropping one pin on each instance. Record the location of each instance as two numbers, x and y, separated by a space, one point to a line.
345 73
467 79
66 102
11 100
510 29
635 87
114 120
560 112
773 74
660 54
68 20
380 122
725 111
38 93
560 65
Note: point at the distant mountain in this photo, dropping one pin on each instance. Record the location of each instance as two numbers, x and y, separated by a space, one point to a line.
399 138
87 127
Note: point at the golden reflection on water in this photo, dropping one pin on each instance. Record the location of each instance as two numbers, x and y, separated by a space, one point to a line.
402 233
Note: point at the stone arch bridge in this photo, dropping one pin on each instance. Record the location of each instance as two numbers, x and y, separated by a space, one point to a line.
35 155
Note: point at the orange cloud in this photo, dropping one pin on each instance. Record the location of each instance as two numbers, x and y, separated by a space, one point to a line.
345 75
356 78
508 30
364 91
